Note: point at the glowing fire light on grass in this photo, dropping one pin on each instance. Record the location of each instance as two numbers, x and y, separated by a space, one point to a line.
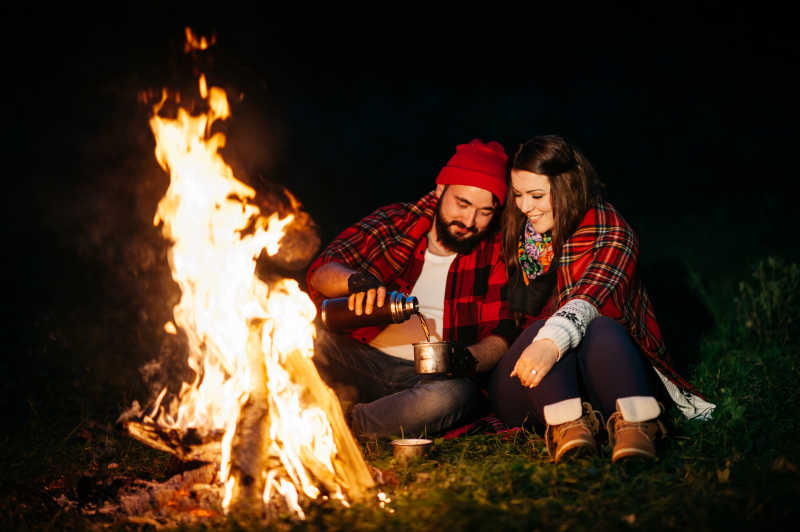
250 342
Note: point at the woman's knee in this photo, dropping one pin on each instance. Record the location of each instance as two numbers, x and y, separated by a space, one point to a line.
608 332
605 325
605 337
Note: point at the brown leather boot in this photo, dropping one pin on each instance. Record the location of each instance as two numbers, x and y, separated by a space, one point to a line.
633 438
573 437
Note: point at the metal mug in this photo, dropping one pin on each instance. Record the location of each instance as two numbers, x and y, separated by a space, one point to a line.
410 448
432 358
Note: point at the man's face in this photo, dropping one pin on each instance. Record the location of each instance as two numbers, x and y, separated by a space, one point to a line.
463 216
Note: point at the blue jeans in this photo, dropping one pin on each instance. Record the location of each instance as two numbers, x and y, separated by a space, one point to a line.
394 400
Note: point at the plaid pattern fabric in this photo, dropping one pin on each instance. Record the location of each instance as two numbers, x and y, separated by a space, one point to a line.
598 264
489 424
390 244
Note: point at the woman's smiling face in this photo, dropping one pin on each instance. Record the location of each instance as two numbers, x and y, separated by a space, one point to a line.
532 196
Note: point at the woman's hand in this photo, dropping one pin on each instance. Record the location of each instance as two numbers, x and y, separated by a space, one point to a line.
534 362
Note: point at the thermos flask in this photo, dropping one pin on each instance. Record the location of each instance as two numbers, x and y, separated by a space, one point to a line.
397 307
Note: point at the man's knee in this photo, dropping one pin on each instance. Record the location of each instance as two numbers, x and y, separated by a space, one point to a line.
325 364
328 352
430 406
442 397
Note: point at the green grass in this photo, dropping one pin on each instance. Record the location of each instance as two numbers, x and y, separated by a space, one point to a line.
737 471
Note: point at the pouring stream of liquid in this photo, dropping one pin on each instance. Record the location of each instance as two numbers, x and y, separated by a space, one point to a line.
424 327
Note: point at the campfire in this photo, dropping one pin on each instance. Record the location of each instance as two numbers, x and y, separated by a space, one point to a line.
256 412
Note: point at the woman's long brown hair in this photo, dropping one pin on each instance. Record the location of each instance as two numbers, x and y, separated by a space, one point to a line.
574 188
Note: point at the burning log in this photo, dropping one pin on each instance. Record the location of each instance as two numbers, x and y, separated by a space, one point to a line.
249 446
188 445
153 498
301 239
349 465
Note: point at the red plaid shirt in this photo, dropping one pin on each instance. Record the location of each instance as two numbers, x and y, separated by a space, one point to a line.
390 244
598 264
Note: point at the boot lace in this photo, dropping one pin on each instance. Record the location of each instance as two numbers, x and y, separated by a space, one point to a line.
617 423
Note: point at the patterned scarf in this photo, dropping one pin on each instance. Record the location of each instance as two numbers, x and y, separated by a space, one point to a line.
535 252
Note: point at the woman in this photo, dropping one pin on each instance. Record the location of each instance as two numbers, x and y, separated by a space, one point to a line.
590 338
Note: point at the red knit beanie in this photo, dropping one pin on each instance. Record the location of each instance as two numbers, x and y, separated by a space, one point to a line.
479 165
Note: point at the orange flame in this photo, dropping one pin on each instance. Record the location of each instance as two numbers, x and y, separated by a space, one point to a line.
195 43
205 213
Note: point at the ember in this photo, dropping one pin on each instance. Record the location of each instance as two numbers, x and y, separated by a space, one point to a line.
257 407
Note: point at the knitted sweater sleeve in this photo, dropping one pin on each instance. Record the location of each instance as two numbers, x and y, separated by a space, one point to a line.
567 326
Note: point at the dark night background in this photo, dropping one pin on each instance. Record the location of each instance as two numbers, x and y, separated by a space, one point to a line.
688 113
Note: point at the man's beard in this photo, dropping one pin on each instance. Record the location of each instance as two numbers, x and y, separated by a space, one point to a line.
463 245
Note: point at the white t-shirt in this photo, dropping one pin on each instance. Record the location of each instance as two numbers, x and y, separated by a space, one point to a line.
396 339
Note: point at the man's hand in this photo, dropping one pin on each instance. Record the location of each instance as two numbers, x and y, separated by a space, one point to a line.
361 282
462 361
535 362
365 293
365 302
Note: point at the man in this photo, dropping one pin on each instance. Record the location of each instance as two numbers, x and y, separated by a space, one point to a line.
445 250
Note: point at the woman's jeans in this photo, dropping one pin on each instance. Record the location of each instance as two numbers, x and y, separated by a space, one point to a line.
394 400
605 366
